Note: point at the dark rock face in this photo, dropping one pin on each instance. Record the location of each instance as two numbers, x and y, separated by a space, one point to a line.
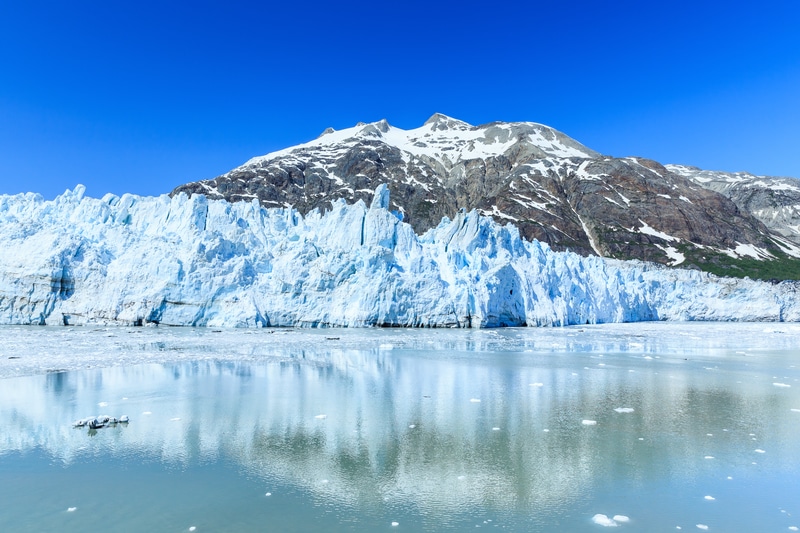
548 185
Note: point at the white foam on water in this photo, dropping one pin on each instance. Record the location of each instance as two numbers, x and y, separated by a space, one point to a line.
589 422
603 520
624 409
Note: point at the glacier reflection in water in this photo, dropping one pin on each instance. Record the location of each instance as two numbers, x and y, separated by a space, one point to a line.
534 430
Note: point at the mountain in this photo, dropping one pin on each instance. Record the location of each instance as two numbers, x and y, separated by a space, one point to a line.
773 201
548 185
192 261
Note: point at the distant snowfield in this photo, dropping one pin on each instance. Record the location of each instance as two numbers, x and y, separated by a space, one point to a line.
36 350
184 261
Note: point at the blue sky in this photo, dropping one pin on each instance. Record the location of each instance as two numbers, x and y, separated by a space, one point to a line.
143 96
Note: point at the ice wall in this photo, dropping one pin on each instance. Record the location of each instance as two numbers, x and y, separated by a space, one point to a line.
190 261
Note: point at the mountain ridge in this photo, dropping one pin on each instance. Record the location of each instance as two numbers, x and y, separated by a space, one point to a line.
553 188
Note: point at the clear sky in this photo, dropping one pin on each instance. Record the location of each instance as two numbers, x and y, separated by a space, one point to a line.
143 96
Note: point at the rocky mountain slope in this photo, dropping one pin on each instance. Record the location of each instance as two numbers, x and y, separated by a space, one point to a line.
551 187
774 201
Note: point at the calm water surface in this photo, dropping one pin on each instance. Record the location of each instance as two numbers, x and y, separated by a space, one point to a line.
672 427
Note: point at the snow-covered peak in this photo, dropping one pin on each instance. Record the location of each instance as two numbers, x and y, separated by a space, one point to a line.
445 140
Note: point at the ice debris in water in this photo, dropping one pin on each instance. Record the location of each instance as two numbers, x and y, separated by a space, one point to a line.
321 417
97 422
784 385
605 521
759 450
395 524
710 498
702 526
589 422
624 409
72 509
475 400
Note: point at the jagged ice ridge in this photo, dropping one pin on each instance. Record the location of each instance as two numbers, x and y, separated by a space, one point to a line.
197 262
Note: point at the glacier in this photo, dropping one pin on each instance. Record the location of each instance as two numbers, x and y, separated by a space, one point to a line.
189 261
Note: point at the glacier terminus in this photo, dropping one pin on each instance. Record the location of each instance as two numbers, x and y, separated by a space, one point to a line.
191 261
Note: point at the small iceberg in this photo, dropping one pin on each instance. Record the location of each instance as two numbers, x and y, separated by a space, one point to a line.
101 421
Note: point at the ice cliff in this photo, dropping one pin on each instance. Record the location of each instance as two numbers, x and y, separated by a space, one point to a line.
198 262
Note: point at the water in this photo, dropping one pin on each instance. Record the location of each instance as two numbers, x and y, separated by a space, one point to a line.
672 426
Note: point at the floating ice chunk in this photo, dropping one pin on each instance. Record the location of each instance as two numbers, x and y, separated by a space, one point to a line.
495 428
759 450
603 520
192 528
708 457
461 477
103 404
546 430
321 417
796 410
176 419
792 528
621 518
709 498
537 384
412 426
702 526
624 409
395 524
71 509
709 434
730 477
268 494
589 422
147 413
324 481
785 385
124 419
475 400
